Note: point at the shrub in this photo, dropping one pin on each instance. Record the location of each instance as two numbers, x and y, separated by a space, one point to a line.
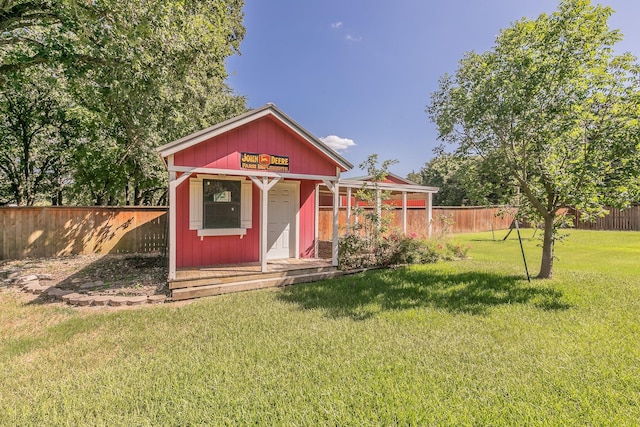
355 252
394 249
458 250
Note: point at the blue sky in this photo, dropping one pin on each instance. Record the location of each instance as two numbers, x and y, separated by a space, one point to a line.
363 70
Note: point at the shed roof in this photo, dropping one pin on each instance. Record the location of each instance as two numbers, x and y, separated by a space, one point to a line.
251 115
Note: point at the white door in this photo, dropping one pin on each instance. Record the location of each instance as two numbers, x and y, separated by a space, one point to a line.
281 219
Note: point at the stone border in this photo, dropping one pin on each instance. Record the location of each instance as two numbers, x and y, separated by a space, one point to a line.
31 284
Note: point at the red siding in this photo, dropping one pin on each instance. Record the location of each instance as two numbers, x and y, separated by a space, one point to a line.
264 135
328 201
394 180
213 250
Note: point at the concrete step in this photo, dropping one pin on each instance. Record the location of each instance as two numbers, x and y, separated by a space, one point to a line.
246 285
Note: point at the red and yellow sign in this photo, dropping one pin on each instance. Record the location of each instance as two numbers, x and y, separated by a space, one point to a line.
267 162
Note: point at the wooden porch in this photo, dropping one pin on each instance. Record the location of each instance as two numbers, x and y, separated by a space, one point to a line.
221 279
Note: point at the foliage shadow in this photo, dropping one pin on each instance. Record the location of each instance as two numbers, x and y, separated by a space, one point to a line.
366 294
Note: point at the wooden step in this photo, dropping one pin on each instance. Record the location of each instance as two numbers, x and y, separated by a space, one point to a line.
189 283
246 285
204 280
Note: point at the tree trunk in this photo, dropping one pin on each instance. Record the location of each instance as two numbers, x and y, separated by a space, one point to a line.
56 198
137 195
18 194
546 267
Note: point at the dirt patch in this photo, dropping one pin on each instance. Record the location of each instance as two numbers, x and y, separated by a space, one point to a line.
122 275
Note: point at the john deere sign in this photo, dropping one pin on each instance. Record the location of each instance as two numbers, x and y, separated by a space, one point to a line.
268 162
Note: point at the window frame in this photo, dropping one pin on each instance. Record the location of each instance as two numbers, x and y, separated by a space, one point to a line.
216 213
196 206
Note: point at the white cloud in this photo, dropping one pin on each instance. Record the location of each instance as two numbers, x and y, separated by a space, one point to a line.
336 25
338 143
351 38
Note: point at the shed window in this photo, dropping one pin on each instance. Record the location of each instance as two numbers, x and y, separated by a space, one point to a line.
219 206
221 203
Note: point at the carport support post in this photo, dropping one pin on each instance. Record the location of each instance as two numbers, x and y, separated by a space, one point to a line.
348 209
404 213
335 189
379 209
429 214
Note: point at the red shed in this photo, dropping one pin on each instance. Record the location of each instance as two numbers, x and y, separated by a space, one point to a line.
245 190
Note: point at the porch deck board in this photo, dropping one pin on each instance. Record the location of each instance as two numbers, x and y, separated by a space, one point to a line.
235 277
231 270
241 285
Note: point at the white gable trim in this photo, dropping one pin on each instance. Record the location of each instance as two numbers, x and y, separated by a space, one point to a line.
211 132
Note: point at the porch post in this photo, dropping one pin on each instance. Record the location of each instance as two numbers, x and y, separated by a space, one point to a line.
264 187
172 226
336 205
429 213
264 197
404 213
316 225
173 185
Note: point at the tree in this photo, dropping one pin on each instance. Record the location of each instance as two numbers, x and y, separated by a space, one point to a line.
168 81
145 71
51 32
37 128
554 106
464 180
374 223
79 34
363 245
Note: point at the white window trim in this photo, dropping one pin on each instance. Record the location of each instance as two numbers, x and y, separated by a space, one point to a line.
203 232
196 207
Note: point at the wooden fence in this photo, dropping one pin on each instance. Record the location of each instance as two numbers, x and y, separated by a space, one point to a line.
619 220
59 231
444 219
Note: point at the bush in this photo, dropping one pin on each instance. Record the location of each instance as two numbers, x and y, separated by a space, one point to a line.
394 249
355 252
458 250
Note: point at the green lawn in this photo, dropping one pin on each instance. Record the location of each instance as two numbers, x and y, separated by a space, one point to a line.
458 343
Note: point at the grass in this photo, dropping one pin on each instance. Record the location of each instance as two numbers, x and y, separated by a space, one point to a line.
458 343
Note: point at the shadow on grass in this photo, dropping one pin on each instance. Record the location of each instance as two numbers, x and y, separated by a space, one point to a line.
364 295
54 335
